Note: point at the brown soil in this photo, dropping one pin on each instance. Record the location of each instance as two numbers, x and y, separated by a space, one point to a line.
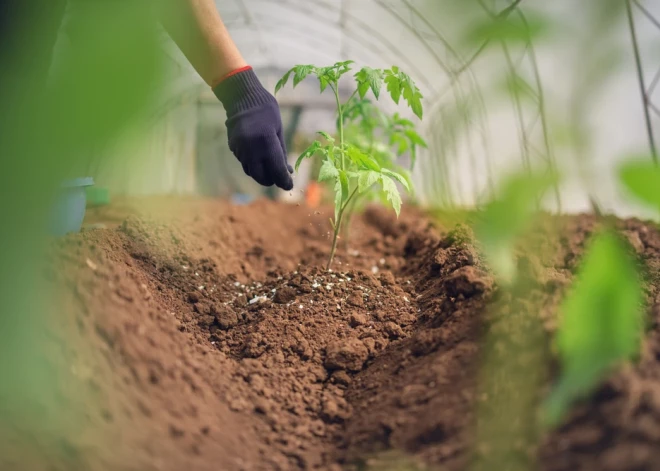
206 337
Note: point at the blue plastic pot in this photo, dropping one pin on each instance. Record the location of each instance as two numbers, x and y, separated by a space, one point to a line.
69 210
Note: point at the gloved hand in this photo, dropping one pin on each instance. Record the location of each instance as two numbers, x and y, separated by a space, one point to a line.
254 128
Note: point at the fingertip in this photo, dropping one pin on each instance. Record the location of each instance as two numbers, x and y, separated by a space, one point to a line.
286 184
290 168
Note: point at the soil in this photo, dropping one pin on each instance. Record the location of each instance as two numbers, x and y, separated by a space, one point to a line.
206 336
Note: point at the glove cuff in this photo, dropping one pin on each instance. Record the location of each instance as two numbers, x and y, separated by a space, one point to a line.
241 90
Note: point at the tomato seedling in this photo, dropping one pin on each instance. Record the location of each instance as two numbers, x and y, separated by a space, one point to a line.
352 169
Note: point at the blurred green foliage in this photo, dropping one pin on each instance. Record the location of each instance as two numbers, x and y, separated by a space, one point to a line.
641 177
503 221
601 322
51 123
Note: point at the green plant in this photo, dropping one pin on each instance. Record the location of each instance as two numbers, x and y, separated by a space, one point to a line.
642 179
386 138
601 322
506 218
353 170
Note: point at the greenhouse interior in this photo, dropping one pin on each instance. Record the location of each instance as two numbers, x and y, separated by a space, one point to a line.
360 235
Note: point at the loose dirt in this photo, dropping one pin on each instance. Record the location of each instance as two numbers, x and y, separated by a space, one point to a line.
205 336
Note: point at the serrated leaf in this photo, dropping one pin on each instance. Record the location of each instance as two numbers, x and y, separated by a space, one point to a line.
369 78
393 87
301 72
367 179
361 159
327 136
314 147
283 81
392 193
397 177
642 179
328 171
363 88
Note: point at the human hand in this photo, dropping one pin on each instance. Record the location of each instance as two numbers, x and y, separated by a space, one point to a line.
254 128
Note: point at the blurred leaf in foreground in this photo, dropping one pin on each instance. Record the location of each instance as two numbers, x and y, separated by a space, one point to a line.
506 218
601 322
511 29
642 179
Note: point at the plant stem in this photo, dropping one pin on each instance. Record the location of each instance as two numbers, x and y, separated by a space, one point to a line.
337 228
642 84
340 112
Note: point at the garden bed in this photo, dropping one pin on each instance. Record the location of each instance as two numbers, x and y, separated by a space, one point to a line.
207 336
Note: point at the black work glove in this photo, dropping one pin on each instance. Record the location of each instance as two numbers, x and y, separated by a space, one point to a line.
254 128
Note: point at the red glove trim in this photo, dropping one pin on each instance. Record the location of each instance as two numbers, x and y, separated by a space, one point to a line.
233 72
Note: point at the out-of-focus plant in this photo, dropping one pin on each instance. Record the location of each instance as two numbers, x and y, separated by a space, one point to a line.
505 219
514 358
601 322
49 125
642 179
352 170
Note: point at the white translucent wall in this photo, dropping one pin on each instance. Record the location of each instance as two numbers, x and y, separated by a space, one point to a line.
425 38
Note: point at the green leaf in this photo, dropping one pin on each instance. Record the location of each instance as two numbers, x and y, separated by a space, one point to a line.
392 193
323 81
328 171
301 72
415 138
327 136
368 78
401 84
363 88
601 322
511 29
642 179
402 144
366 179
400 178
283 81
315 147
393 86
506 218
361 159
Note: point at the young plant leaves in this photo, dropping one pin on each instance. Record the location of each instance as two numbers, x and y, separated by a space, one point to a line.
367 179
328 171
601 322
642 179
398 177
326 136
368 78
361 159
392 193
283 81
401 84
315 147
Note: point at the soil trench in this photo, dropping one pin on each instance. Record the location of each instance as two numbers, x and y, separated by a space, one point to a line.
205 336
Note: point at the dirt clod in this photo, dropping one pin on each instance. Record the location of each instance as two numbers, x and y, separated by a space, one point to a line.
346 355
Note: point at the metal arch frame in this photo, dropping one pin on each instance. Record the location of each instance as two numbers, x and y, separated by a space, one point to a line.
646 90
390 47
346 18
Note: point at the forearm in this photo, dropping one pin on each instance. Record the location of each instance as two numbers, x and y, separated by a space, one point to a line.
197 29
